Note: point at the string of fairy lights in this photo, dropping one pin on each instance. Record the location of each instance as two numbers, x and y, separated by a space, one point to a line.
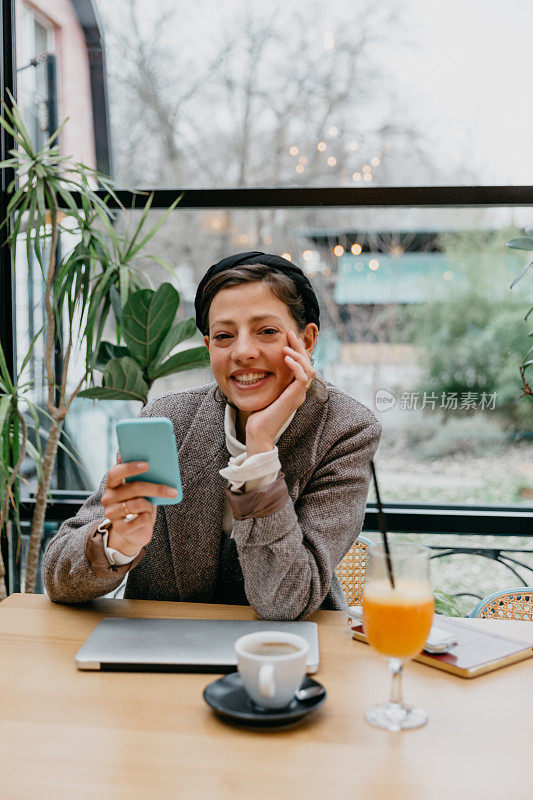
331 147
363 173
313 260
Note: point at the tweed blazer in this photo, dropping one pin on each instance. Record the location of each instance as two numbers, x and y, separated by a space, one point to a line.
290 536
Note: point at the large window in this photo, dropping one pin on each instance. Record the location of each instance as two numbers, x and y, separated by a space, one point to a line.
418 320
248 93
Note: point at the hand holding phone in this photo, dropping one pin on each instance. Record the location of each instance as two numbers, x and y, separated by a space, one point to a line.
129 503
152 440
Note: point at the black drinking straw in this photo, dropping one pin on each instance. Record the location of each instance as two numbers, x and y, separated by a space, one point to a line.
382 525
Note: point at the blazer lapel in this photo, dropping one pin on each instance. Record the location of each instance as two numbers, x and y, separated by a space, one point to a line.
195 524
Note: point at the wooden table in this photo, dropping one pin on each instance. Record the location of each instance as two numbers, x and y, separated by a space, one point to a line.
70 734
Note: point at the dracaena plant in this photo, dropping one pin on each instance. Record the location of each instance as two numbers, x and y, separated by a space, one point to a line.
18 415
14 445
84 287
150 334
524 243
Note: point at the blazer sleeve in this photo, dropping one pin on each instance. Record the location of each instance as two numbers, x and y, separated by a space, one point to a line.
289 554
75 566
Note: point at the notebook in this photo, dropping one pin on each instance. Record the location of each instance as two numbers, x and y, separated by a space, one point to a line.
179 645
475 653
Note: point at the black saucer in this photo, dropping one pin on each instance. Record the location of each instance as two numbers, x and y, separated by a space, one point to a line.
228 698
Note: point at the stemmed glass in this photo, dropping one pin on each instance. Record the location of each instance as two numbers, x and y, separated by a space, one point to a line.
397 621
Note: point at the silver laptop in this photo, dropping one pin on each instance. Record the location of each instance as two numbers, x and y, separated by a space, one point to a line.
179 645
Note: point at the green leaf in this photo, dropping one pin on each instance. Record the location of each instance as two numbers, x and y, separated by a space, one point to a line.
122 380
17 129
193 358
106 352
14 201
124 285
447 604
521 243
97 300
103 316
161 263
36 424
39 189
176 335
138 229
69 202
116 305
70 453
55 134
12 132
135 250
6 377
146 320
103 214
30 348
521 274
106 393
17 220
5 402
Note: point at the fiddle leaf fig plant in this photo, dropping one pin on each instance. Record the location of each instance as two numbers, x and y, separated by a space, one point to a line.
524 243
150 335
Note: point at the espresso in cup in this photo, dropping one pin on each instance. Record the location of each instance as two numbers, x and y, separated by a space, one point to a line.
273 649
272 665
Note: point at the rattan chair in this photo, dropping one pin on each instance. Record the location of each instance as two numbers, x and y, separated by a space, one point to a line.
352 570
510 604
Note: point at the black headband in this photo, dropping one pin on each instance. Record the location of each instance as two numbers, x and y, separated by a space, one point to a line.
277 264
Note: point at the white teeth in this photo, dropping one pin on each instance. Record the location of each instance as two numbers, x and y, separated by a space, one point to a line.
251 377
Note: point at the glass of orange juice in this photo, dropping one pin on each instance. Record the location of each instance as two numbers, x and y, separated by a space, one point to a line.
397 620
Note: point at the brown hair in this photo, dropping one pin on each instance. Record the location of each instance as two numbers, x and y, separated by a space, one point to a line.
280 285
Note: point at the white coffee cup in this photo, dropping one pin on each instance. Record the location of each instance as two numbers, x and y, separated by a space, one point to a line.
272 666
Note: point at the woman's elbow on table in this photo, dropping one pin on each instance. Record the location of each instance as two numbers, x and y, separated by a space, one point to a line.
293 600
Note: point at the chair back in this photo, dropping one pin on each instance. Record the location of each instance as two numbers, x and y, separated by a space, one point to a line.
352 570
510 604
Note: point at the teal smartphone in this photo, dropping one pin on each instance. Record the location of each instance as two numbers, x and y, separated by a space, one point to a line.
152 439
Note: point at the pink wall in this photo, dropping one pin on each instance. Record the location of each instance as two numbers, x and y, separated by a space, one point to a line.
74 87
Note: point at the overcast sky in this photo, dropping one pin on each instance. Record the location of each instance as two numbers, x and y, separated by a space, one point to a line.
464 71
469 73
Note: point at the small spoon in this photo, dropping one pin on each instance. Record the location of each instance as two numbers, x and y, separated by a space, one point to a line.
310 692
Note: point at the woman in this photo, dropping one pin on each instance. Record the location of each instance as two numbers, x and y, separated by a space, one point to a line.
269 527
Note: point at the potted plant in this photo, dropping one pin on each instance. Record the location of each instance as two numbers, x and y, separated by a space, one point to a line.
14 445
83 287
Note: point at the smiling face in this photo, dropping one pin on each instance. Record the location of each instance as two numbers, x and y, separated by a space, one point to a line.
248 328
